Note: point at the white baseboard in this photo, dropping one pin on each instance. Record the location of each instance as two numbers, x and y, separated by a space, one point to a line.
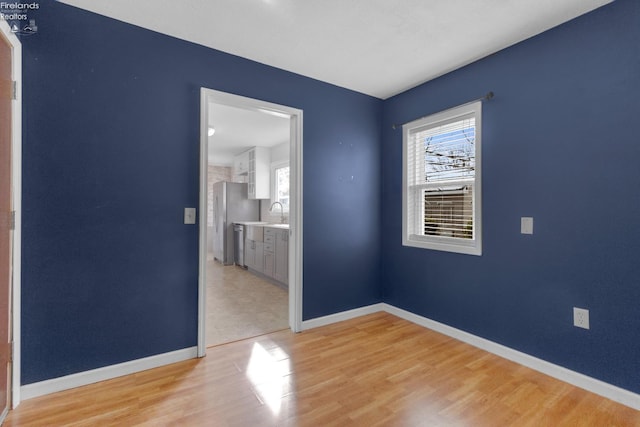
108 372
344 315
4 414
593 385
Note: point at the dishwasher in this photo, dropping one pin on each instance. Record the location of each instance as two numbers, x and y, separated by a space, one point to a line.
238 240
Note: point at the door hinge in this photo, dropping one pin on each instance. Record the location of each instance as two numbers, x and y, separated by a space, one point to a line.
11 346
12 221
14 89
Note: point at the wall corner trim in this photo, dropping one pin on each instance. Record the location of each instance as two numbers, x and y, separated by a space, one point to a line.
577 379
106 373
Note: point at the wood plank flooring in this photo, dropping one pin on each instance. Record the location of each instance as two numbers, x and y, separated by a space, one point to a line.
376 370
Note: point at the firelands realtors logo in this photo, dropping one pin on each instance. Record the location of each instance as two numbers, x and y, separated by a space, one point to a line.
17 15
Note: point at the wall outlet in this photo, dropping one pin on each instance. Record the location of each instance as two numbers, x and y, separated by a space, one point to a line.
526 225
581 317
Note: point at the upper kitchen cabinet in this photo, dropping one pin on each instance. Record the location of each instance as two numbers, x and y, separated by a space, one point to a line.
259 173
241 164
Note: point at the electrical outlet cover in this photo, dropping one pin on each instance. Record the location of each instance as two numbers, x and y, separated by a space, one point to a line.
581 317
526 225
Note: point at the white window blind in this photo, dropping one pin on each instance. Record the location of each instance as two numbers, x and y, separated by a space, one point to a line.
441 159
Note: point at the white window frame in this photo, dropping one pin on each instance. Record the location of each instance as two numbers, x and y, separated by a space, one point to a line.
471 246
274 167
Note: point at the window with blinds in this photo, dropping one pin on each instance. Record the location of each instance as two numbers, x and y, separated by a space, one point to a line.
280 185
441 191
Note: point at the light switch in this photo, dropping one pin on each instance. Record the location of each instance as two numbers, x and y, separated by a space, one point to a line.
526 225
189 215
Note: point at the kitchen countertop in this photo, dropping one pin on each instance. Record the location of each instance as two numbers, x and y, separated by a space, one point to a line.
263 224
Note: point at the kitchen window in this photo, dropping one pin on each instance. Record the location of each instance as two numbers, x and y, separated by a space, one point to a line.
442 181
280 184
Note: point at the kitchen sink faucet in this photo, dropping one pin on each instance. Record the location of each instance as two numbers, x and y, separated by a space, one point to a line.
281 211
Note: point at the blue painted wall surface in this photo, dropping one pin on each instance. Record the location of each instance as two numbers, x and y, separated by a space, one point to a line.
560 144
111 152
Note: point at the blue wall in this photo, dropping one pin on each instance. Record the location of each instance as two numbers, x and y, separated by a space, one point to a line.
111 119
111 152
559 144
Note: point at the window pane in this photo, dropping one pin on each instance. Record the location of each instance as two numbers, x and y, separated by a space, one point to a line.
448 214
444 154
449 151
282 186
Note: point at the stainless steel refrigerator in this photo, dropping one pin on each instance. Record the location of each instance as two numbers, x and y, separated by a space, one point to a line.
230 203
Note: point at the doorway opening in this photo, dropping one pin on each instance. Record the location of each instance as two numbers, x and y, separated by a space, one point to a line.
250 279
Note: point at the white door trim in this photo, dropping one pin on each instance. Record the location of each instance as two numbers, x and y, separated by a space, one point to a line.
208 96
16 178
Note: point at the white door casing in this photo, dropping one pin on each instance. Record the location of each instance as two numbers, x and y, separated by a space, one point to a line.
16 202
208 96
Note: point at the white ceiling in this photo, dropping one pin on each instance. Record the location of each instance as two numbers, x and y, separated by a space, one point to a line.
238 129
377 47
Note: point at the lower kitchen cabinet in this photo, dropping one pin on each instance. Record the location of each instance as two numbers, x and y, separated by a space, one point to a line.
254 255
269 261
254 249
281 268
276 254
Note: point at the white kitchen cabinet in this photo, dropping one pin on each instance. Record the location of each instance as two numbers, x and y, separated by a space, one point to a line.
259 173
241 164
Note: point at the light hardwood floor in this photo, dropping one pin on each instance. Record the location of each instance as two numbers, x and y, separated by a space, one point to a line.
376 370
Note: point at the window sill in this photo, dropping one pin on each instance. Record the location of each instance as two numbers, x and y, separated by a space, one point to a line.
444 244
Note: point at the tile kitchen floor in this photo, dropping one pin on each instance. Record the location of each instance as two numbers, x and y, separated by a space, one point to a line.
241 305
